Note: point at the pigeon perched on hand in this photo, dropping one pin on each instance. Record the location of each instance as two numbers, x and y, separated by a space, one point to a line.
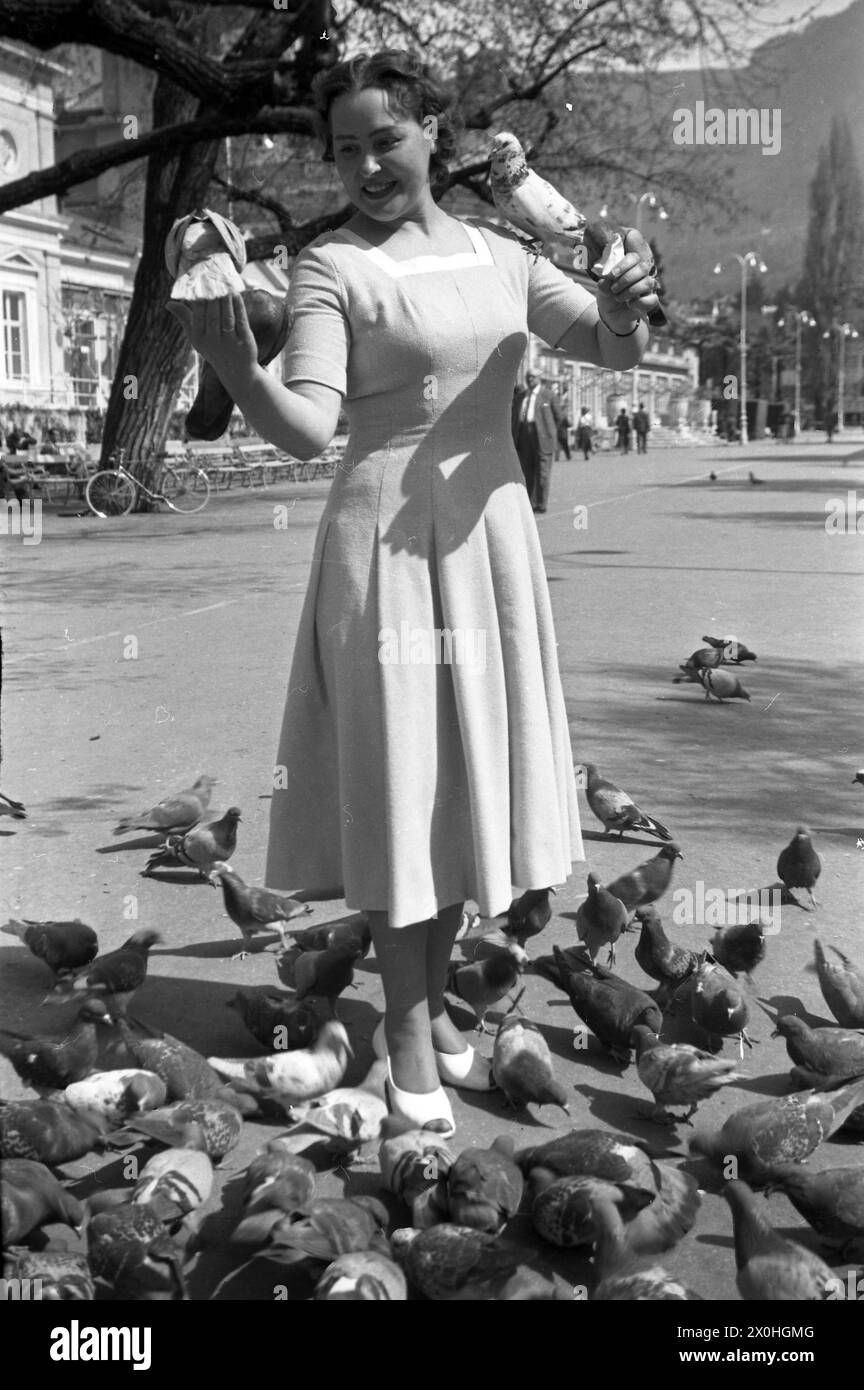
785 1130
299 1075
32 1197
484 983
616 810
174 815
50 1063
255 910
117 975
600 919
609 1006
527 201
665 962
205 254
65 947
201 848
772 1269
522 1066
647 882
678 1074
531 204
842 986
799 866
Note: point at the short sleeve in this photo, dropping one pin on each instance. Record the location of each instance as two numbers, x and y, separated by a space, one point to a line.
319 341
556 303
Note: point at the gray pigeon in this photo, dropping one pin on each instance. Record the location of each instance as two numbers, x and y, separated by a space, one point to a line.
616 810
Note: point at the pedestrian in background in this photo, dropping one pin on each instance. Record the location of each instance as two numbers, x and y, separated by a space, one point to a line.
622 424
585 433
564 426
535 433
642 425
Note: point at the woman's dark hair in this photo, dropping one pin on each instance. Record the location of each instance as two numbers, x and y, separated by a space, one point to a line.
412 89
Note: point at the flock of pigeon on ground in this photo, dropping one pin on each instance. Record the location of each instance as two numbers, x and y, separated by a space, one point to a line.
440 1228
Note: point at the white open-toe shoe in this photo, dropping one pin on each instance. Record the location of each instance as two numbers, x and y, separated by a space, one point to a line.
467 1069
430 1111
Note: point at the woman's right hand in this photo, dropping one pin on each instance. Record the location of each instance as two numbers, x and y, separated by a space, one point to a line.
219 330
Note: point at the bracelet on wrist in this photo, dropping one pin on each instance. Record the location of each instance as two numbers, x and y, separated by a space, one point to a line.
628 334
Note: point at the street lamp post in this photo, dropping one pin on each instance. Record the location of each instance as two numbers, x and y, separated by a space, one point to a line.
641 200
802 319
846 331
745 261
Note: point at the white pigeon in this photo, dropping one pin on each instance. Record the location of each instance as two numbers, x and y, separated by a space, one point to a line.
532 205
528 202
117 1094
204 252
299 1075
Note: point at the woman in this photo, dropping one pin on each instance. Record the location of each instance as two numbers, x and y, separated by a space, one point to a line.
425 755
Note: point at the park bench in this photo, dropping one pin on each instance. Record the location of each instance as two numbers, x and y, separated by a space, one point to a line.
44 477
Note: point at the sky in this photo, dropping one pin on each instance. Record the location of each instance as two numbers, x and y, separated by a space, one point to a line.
775 17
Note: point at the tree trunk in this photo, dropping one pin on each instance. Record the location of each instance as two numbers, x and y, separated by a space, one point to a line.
155 350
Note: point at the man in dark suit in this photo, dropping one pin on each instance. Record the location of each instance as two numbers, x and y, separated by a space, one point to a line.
535 435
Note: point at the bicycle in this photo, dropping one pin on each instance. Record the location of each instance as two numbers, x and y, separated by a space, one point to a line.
114 491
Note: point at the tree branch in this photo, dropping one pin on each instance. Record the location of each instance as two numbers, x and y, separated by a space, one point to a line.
260 200
131 31
87 164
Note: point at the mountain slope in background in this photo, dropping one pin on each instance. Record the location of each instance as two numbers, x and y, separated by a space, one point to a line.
819 73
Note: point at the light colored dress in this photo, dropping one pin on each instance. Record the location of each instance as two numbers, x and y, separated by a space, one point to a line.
425 755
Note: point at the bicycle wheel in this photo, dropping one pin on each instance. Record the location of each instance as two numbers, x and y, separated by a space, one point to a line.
110 494
187 490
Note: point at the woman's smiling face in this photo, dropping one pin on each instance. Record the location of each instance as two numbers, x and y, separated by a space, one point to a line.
381 154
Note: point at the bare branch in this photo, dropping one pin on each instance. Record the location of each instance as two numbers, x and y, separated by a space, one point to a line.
86 164
131 31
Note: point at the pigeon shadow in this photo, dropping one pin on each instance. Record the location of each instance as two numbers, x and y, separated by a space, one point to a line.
221 950
176 876
616 840
786 1004
770 1084
630 1114
148 842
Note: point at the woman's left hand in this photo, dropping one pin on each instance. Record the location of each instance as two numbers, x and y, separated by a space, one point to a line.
630 289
